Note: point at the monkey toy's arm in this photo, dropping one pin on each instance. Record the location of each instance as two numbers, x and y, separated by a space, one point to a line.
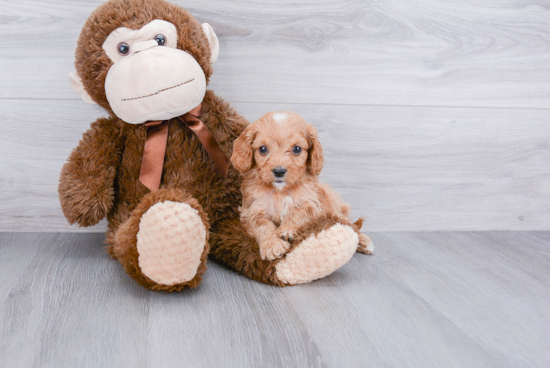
86 185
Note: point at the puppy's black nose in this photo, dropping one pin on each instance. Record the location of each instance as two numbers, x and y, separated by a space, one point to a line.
279 172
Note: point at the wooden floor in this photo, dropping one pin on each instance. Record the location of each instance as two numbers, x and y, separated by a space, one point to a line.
437 299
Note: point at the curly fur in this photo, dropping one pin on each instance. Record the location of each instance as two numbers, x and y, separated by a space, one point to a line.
276 208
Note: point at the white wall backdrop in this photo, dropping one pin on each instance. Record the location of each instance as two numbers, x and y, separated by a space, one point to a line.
434 115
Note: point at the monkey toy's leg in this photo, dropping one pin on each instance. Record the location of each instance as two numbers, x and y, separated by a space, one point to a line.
163 244
320 249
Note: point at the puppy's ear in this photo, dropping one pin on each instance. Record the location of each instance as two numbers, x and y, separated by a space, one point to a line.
242 150
315 160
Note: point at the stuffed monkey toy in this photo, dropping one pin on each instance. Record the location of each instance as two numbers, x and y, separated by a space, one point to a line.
157 166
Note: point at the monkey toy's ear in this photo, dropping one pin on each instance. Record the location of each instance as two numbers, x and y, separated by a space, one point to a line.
213 40
76 83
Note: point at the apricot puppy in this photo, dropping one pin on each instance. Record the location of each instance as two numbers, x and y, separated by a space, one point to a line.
280 157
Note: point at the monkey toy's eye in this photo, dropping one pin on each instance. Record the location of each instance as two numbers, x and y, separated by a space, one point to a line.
123 48
263 150
161 40
296 150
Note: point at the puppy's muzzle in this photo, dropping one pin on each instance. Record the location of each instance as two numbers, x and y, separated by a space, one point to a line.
279 172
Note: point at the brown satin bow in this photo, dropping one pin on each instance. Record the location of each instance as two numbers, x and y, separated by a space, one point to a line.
155 147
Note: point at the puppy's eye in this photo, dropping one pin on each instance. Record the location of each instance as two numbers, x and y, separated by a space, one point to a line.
296 150
263 150
161 40
123 48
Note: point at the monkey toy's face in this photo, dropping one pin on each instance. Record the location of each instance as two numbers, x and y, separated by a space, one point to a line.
151 79
147 73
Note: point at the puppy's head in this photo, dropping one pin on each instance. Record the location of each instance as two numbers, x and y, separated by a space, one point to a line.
281 146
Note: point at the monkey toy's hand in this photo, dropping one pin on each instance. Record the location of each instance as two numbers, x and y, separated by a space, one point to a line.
86 185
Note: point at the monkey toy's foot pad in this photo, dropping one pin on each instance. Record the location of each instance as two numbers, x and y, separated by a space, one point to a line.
318 256
170 242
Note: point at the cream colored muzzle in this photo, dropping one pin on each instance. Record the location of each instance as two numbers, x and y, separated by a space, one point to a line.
154 83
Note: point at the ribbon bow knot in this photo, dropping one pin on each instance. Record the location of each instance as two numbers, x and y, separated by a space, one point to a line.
155 147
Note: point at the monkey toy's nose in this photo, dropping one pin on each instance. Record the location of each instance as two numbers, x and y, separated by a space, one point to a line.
144 45
279 172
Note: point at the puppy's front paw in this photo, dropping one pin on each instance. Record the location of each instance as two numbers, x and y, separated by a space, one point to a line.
365 244
286 234
273 248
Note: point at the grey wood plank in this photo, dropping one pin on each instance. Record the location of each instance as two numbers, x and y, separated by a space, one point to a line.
403 168
448 53
508 307
423 300
440 299
62 309
242 323
65 310
29 246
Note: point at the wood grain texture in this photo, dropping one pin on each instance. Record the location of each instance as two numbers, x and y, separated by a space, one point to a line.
398 90
396 52
403 168
423 300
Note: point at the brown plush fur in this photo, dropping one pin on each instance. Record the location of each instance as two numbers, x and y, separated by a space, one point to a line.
125 239
101 177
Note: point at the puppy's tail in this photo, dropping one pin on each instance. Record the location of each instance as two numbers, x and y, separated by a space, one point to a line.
359 223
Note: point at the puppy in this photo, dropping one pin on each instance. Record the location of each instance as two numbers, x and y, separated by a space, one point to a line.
280 157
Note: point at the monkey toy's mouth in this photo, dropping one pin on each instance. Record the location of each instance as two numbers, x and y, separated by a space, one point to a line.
160 83
159 91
